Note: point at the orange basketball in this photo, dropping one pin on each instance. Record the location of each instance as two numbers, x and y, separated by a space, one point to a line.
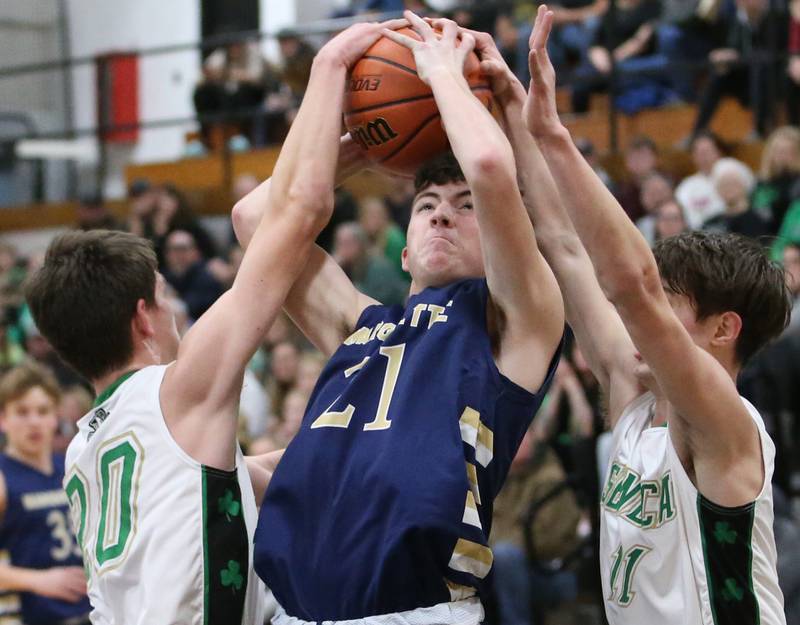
392 114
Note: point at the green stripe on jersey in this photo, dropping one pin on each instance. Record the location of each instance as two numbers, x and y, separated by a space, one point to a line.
226 548
728 552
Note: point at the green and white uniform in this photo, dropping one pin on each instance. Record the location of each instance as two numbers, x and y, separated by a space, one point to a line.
165 539
670 556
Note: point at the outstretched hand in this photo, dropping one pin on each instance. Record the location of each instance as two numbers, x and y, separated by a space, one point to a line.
540 113
506 87
433 53
349 46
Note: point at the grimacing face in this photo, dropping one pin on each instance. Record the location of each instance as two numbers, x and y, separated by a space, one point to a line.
443 240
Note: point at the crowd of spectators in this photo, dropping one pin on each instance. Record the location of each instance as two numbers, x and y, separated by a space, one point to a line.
656 52
560 464
558 470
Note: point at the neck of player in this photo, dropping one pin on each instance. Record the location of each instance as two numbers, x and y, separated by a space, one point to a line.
41 460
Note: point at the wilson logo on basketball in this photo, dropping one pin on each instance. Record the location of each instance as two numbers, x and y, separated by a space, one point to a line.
364 83
374 133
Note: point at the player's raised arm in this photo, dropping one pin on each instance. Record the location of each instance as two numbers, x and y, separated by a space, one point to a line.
521 284
200 392
597 326
710 417
323 301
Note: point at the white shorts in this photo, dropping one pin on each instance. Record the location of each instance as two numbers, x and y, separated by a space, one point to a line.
465 612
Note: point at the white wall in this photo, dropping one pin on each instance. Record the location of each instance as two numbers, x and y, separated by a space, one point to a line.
274 15
165 81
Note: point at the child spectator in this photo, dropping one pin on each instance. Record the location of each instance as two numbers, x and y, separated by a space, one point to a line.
42 580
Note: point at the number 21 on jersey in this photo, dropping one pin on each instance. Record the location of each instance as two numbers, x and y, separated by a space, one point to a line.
341 419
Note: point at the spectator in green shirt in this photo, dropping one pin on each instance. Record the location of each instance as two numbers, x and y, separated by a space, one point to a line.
385 237
371 273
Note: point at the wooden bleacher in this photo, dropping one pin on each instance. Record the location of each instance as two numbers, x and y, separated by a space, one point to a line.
207 180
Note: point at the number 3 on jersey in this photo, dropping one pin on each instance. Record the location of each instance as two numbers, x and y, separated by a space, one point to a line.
119 464
333 419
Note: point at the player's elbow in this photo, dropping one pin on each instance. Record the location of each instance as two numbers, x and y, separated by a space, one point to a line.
245 217
493 164
311 201
630 282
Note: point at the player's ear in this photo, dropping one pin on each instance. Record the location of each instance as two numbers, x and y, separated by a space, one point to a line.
404 258
727 330
141 323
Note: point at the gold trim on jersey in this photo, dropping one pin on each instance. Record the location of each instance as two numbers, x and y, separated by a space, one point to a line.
9 603
475 434
471 516
459 592
472 478
472 558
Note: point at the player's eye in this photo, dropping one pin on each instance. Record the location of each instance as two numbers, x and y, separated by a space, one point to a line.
425 206
467 206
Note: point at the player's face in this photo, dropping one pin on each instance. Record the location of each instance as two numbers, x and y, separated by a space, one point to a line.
167 337
29 423
443 241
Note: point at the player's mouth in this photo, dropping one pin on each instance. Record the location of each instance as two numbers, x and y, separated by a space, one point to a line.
438 237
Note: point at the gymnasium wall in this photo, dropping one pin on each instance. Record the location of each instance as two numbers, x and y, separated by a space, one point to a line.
166 81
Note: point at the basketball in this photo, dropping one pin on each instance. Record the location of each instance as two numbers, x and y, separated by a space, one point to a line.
392 114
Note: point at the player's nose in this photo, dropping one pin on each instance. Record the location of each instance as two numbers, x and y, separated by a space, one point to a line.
442 215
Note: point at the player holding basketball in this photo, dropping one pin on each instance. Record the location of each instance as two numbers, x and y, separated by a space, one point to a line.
162 501
687 508
382 504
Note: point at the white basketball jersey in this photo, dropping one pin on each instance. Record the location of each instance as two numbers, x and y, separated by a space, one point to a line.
165 539
668 556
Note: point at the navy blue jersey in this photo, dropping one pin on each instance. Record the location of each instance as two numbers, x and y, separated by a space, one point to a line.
383 501
36 533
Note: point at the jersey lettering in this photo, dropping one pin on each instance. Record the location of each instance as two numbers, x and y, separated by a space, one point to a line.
647 504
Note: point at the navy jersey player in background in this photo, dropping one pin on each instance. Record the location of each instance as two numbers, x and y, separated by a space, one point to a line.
41 573
382 504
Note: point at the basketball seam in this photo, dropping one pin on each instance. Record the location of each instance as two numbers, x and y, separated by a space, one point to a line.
392 63
372 107
410 138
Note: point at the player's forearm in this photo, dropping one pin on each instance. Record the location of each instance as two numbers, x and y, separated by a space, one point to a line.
17 579
539 192
477 141
248 212
307 165
621 256
268 461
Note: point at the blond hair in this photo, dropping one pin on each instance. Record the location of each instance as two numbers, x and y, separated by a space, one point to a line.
785 133
23 378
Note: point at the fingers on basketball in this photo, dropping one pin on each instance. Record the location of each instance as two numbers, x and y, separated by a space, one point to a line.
467 44
403 40
419 25
391 114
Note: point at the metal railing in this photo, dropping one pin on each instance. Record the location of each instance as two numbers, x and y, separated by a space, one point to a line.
311 29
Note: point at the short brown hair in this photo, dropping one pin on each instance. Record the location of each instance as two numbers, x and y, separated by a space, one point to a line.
84 296
440 170
22 378
728 272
